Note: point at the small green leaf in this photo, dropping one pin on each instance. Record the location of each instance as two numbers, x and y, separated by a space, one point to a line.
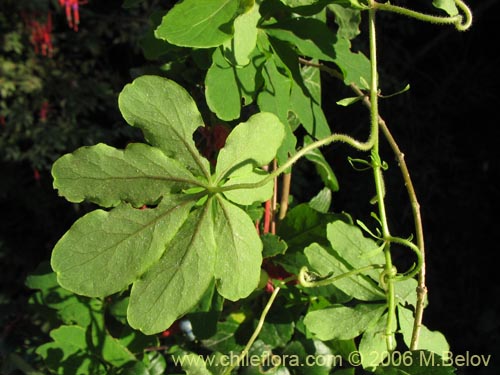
140 175
193 364
168 116
173 286
199 23
273 245
449 6
348 101
343 323
104 252
322 201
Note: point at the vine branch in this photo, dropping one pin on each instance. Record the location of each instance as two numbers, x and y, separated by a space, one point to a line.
415 205
461 22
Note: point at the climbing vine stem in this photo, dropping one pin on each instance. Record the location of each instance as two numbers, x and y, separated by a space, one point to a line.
389 270
461 22
257 330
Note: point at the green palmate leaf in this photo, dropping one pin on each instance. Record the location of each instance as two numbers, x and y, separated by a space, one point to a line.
239 251
168 116
343 323
104 252
140 174
432 341
194 238
175 284
200 23
357 286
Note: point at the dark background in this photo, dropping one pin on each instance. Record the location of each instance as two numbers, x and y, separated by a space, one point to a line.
447 127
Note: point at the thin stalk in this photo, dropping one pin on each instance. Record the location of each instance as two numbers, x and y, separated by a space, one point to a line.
415 205
379 185
285 194
305 282
256 333
344 138
460 22
274 204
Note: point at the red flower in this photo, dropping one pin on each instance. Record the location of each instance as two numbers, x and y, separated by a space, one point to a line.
275 272
72 12
40 34
44 111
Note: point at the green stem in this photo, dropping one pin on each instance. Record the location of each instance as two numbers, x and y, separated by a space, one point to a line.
256 333
344 138
458 20
311 282
379 184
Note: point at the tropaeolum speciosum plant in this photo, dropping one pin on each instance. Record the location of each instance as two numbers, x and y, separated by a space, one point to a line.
178 232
